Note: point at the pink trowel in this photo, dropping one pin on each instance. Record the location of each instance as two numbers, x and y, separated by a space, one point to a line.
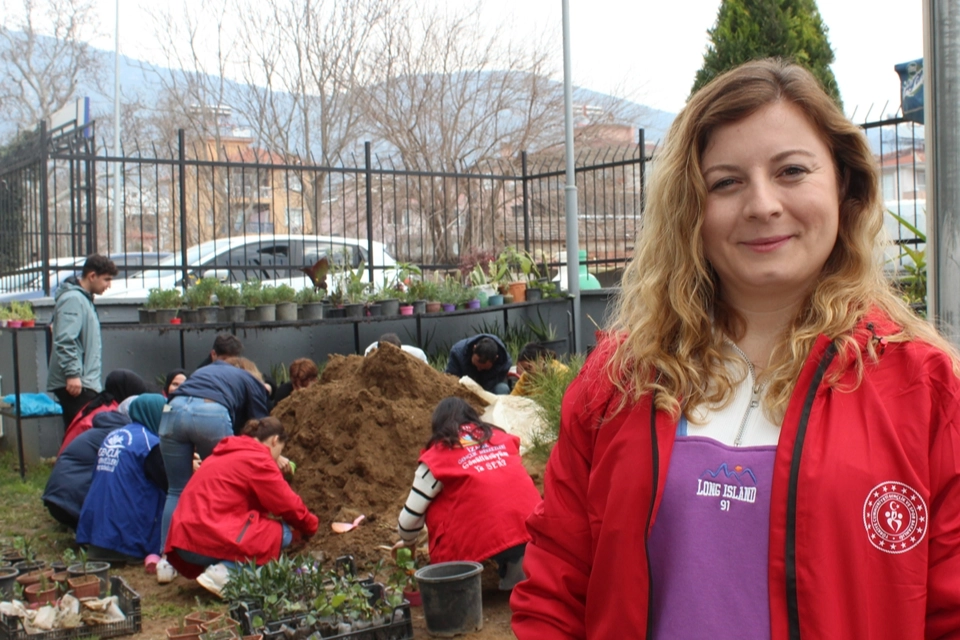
343 527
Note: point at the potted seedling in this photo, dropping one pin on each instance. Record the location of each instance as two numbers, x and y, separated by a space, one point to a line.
251 295
24 311
311 301
228 298
403 576
206 287
355 290
184 631
166 303
267 309
286 300
202 616
42 592
81 573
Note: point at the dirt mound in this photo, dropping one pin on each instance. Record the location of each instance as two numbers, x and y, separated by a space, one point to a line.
356 436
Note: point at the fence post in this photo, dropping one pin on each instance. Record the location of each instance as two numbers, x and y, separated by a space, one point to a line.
526 201
643 170
182 189
368 187
44 211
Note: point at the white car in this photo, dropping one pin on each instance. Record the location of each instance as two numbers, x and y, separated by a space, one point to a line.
27 283
270 259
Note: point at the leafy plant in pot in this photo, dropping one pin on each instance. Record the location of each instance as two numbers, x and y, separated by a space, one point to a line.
403 576
165 303
88 574
184 631
229 299
311 300
43 591
286 299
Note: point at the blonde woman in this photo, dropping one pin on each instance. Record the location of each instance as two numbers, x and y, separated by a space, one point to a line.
767 444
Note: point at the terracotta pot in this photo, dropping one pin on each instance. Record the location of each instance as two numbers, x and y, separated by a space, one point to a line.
223 622
432 307
85 586
202 617
519 291
26 324
33 577
189 632
36 593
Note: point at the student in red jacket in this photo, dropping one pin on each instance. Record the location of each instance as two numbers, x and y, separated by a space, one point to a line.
237 506
766 443
472 491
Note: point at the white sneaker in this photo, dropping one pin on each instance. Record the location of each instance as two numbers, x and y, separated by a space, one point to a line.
214 578
513 576
165 572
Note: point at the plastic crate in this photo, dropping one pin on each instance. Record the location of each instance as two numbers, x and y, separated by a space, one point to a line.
128 599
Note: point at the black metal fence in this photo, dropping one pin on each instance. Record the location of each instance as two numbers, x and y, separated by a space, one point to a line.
58 199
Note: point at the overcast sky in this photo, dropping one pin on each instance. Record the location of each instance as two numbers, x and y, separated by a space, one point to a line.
650 50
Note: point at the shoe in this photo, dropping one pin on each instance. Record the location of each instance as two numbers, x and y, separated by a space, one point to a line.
513 575
214 578
150 563
165 572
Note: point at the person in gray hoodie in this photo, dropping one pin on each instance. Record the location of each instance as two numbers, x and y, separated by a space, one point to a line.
75 364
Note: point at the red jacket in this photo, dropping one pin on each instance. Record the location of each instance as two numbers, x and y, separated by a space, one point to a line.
486 498
223 511
81 423
842 455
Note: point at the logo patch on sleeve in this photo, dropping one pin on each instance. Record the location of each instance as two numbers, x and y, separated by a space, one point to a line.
895 517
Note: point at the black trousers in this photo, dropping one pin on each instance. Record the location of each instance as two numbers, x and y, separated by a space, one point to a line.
72 405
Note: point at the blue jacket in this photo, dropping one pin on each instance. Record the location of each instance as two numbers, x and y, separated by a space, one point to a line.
460 365
123 509
77 350
72 474
242 394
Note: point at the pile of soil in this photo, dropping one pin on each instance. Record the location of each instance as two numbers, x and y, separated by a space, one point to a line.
356 436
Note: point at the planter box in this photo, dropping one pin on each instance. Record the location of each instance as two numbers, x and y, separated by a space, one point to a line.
12 629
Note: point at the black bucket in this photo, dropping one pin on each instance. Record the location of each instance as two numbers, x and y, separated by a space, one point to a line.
452 602
8 577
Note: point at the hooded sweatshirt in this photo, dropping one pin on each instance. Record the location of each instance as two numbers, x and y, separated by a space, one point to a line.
77 349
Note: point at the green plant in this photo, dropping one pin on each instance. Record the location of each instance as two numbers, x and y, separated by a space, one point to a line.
406 566
268 295
285 293
450 290
164 299
227 296
197 296
251 293
547 388
21 310
515 264
543 330
308 295
4 312
913 285
356 287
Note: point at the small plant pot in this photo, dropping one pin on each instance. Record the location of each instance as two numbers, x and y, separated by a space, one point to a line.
473 304
176 321
313 311
223 623
495 300
164 316
432 307
26 566
266 313
201 618
250 314
374 309
209 315
534 294
518 290
188 632
353 310
61 577
390 307
14 324
28 324
507 298
58 566
99 569
147 316
8 578
335 312
190 316
413 597
448 307
33 577
87 586
235 313
12 556
287 311
36 593
419 306
406 309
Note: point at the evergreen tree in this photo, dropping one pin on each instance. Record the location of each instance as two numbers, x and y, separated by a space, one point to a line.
750 29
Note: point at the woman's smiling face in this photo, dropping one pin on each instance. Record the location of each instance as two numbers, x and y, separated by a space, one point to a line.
772 209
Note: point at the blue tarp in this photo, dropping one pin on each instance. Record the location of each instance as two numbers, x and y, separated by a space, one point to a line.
35 404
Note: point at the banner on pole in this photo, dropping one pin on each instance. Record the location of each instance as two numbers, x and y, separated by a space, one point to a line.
911 89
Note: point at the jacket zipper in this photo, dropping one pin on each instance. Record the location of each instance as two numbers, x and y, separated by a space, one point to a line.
790 547
755 388
655 447
246 525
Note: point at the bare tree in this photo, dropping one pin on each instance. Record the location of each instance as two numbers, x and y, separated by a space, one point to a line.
452 96
45 57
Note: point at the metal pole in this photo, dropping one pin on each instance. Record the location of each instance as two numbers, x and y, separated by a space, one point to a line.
573 233
182 180
118 243
941 52
368 179
44 209
19 406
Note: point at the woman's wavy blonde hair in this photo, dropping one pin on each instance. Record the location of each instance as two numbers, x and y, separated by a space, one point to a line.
668 307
